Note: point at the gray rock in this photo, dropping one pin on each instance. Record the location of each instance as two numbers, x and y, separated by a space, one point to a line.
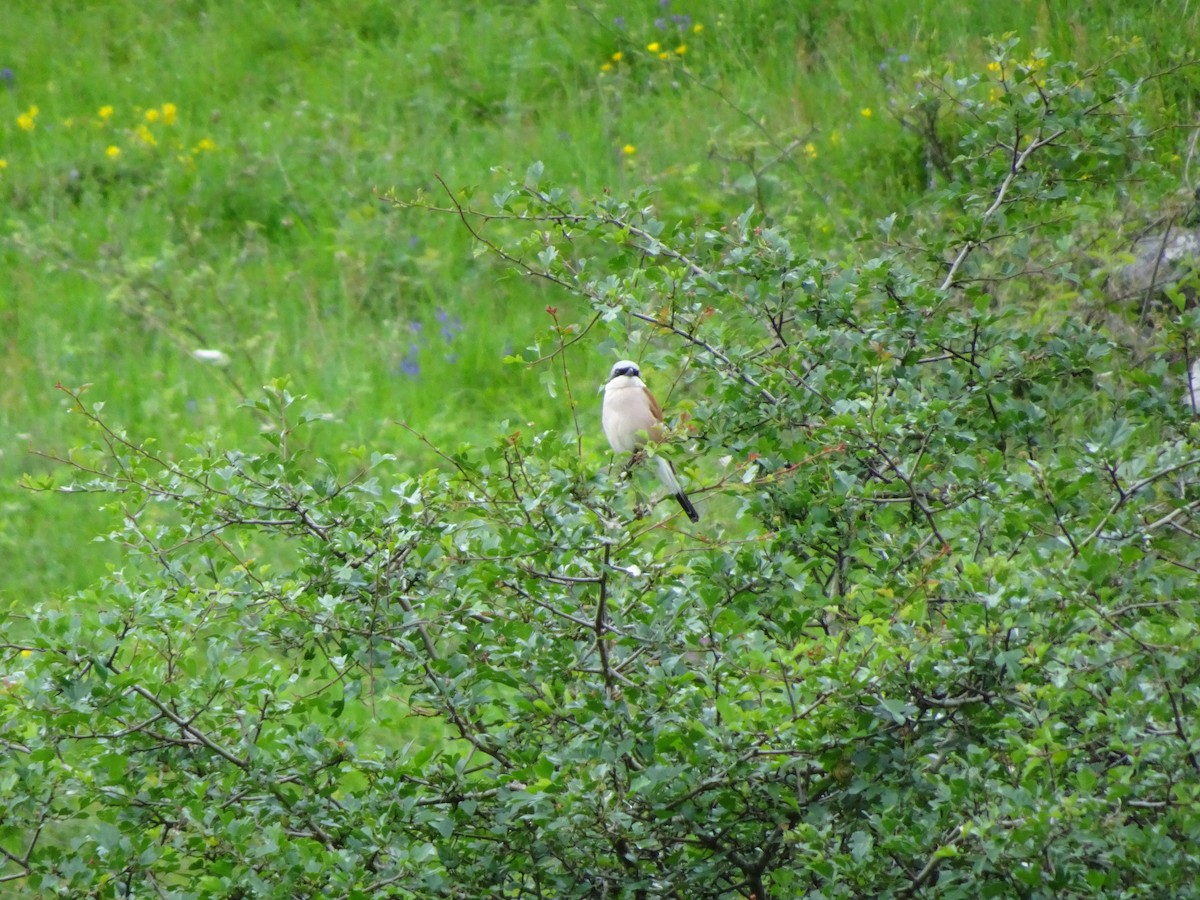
1159 261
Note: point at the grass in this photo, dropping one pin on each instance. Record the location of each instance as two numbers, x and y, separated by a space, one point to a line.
249 224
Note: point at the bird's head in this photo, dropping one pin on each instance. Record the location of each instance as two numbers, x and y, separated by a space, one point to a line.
625 367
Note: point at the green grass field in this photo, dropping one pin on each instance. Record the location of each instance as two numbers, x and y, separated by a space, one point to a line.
199 176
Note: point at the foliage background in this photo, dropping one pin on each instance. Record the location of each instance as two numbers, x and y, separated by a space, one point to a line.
936 631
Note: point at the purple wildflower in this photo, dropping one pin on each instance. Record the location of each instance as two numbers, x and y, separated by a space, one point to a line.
451 325
410 365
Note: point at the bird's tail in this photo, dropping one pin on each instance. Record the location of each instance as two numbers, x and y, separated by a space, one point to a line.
666 473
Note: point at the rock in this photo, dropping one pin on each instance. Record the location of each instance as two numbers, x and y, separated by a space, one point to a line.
1159 261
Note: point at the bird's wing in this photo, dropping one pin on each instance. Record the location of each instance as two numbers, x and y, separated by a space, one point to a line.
655 409
655 431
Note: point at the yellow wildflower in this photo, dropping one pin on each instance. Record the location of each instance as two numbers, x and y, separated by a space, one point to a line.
112 152
146 136
697 28
618 56
866 112
810 150
106 113
629 149
654 48
664 55
835 138
3 163
206 145
152 115
994 67
25 121
26 653
607 67
681 49
168 113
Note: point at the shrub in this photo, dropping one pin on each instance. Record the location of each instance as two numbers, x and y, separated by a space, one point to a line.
934 634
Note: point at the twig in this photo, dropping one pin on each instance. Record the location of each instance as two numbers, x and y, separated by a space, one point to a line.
658 248
186 726
562 356
1014 170
1125 494
600 625
1158 258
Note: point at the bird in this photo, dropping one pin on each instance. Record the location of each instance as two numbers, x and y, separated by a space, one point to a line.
632 417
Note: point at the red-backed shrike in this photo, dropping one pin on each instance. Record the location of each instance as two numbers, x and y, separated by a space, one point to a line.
632 417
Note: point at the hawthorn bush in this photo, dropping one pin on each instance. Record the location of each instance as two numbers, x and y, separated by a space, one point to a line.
935 634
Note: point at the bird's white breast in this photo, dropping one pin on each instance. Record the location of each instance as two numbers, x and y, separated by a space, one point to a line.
627 417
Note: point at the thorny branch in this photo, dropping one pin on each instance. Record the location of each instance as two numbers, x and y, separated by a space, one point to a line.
650 245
